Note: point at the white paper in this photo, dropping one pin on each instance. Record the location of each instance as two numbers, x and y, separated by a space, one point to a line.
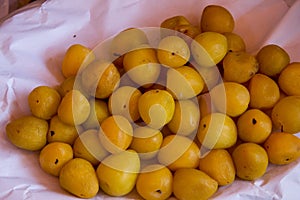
32 46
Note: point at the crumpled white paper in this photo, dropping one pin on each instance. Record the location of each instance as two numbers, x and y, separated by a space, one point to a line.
32 46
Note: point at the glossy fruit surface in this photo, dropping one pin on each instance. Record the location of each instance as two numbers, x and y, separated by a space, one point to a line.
146 141
272 59
28 132
74 108
54 156
115 133
127 40
142 66
43 102
173 51
156 108
217 131
193 184
286 114
264 92
88 146
117 173
79 178
254 126
99 111
179 152
209 48
62 132
186 118
289 79
219 165
184 82
154 182
75 57
124 101
239 67
250 160
217 19
235 42
282 148
231 98
100 79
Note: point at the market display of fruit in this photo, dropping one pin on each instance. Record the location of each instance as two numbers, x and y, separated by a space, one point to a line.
179 110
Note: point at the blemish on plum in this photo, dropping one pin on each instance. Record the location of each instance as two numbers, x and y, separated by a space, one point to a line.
158 191
52 133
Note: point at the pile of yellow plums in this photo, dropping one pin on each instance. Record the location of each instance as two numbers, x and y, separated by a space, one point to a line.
178 110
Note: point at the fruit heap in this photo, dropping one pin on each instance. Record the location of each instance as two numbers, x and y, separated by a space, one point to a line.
184 117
